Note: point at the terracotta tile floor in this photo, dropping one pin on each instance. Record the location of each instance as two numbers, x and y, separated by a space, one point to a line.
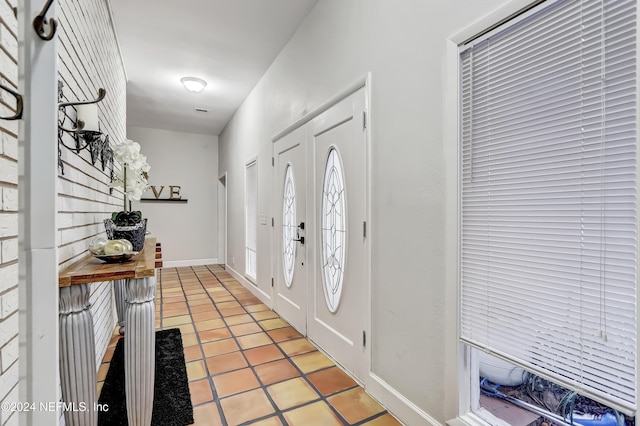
246 365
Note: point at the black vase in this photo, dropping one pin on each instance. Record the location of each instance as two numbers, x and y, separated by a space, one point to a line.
134 233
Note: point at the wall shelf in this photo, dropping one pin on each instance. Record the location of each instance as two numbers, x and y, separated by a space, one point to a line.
163 200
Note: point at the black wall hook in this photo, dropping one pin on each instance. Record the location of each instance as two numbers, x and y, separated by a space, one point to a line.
40 21
19 104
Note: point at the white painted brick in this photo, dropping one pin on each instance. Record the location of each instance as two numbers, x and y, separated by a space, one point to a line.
9 199
9 354
9 145
9 250
9 303
8 170
8 379
10 417
10 70
9 126
8 224
13 420
65 220
8 16
8 277
8 41
9 221
63 186
14 394
89 59
11 398
8 330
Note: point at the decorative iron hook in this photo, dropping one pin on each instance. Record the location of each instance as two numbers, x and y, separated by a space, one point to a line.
101 94
40 21
19 104
80 124
93 141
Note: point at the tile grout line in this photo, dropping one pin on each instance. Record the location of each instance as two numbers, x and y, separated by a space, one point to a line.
229 290
302 374
216 399
262 386
209 377
305 375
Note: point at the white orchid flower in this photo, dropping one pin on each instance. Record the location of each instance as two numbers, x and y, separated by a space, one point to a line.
132 176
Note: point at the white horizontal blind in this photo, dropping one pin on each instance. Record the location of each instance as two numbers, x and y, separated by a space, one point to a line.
549 186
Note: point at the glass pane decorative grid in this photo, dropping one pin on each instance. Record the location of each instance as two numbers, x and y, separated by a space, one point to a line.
334 231
289 226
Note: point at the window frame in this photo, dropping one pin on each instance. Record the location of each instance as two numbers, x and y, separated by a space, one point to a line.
461 366
253 162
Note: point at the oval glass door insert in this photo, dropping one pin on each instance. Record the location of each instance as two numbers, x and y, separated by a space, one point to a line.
289 227
334 232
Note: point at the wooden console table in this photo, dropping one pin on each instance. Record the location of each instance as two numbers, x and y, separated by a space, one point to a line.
135 288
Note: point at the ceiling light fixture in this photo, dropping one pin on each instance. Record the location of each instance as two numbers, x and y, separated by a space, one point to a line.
193 84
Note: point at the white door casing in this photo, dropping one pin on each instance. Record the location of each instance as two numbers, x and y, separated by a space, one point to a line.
222 219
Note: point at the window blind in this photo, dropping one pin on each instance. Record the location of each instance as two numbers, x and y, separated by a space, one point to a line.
549 196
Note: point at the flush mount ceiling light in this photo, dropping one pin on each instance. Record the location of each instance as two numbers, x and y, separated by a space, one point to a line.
193 84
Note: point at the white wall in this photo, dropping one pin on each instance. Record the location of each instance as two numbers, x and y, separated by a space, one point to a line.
188 231
404 45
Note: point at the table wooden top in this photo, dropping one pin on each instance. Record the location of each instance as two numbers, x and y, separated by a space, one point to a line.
92 270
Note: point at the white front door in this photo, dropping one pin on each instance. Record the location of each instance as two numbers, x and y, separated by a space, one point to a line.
337 302
290 299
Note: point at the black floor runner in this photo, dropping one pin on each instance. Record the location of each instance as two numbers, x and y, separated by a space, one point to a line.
172 400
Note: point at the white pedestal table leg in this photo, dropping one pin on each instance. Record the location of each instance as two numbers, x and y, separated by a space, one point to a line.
120 291
77 355
140 341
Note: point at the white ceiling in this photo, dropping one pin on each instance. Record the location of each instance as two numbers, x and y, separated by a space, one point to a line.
228 43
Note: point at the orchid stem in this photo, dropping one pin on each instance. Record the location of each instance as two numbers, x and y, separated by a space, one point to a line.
124 196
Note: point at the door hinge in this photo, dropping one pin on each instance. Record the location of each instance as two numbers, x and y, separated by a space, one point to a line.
273 161
273 222
364 120
271 282
364 339
364 229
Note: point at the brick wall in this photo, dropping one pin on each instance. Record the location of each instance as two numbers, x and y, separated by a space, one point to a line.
89 59
8 213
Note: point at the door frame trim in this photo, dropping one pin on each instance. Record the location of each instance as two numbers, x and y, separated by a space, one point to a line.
222 219
365 83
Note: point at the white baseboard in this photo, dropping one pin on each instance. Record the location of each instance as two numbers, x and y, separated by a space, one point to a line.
191 262
264 297
397 404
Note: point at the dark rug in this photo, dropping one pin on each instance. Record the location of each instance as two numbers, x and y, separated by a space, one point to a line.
172 400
